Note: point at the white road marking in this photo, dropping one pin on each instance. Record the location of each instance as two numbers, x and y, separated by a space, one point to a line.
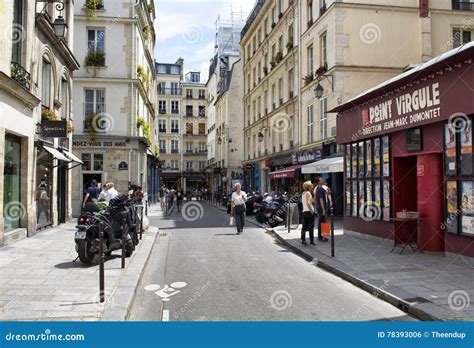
166 315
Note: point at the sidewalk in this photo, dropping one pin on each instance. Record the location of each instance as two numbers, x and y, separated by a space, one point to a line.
429 286
40 282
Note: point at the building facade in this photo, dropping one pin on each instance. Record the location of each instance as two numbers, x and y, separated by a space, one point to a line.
116 133
170 123
36 66
194 113
269 49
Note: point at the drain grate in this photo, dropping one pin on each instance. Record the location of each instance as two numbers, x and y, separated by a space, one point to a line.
163 234
417 300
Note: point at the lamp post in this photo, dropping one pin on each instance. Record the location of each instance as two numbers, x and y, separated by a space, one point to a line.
319 90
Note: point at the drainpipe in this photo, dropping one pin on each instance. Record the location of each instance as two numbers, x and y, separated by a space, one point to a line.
300 101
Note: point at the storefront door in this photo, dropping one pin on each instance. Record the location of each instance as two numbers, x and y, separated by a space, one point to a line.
12 207
62 194
44 167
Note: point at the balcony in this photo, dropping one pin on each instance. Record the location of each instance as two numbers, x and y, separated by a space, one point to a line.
174 150
462 5
175 111
169 91
174 130
162 111
162 130
20 75
189 96
322 9
202 97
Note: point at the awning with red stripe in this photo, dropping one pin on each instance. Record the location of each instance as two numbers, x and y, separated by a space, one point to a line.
284 173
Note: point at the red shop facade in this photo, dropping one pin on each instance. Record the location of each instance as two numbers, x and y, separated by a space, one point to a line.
408 147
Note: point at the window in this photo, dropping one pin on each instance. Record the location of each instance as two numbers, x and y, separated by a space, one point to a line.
463 5
174 165
202 111
265 26
189 147
95 40
280 44
174 88
323 53
309 54
202 94
174 107
259 107
162 126
92 162
162 146
265 101
189 128
461 37
274 96
17 23
202 147
98 162
189 165
175 70
189 93
161 88
254 76
174 146
323 119
189 110
259 71
202 128
161 69
291 83
202 165
162 106
280 90
310 124
254 109
64 99
46 84
174 126
94 101
310 12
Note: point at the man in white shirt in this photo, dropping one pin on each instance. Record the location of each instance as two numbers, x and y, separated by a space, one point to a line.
109 192
267 198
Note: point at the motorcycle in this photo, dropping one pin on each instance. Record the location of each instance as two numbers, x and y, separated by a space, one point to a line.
251 199
269 213
119 224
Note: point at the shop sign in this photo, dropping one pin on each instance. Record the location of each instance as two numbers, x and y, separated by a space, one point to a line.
268 163
248 166
100 144
406 110
54 129
123 166
308 156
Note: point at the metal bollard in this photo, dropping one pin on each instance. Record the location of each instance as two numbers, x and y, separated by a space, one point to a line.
332 234
288 217
141 224
101 264
124 241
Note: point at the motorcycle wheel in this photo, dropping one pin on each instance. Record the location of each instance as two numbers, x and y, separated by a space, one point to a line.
83 250
129 247
260 218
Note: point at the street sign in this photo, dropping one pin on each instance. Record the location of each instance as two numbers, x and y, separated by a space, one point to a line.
123 166
54 129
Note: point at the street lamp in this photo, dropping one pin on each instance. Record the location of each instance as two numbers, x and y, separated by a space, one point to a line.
60 27
318 91
260 137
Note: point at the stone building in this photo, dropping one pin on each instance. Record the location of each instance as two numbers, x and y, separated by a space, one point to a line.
36 66
115 125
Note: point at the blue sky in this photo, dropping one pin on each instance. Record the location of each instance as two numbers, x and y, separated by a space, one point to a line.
186 28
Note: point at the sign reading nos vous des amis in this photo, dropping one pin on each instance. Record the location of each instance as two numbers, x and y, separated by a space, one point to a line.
406 110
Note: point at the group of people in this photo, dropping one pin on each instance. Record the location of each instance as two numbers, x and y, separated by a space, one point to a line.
95 194
318 203
168 197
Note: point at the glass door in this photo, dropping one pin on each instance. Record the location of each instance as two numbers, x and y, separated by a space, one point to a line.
43 188
13 210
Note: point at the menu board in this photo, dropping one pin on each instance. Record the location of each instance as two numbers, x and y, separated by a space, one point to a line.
368 151
348 198
354 198
377 167
386 200
354 161
361 160
348 161
466 148
452 206
467 203
361 197
378 198
386 156
450 148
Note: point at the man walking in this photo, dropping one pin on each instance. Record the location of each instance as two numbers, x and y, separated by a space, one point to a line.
321 207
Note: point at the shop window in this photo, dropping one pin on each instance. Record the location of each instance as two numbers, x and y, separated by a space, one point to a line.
414 139
92 162
12 182
367 171
46 84
44 168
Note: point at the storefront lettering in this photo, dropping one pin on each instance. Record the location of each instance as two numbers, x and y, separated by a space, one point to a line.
99 144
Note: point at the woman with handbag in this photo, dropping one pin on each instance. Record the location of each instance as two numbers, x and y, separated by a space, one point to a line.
238 200
308 213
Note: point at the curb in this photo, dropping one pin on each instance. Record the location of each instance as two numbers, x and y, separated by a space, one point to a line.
377 292
125 291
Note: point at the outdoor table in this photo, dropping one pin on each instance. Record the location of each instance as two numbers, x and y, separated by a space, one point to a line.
404 236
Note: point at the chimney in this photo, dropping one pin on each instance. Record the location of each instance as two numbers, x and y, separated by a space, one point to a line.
424 8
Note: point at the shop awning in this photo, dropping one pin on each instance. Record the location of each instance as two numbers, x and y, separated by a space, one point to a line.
72 157
56 154
288 172
328 165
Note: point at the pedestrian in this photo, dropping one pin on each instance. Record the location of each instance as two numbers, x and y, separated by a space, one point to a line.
238 200
308 213
321 207
179 198
171 199
92 194
161 194
108 193
331 202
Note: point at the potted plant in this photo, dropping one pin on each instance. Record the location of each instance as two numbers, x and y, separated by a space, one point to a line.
91 7
90 126
308 79
157 151
144 77
147 32
147 133
70 127
150 8
48 114
94 60
278 57
321 70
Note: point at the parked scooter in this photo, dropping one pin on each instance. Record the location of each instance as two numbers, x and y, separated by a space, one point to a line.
120 223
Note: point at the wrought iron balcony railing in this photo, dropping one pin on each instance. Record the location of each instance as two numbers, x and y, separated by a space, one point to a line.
20 75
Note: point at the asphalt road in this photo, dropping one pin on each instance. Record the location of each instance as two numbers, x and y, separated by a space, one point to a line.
200 270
